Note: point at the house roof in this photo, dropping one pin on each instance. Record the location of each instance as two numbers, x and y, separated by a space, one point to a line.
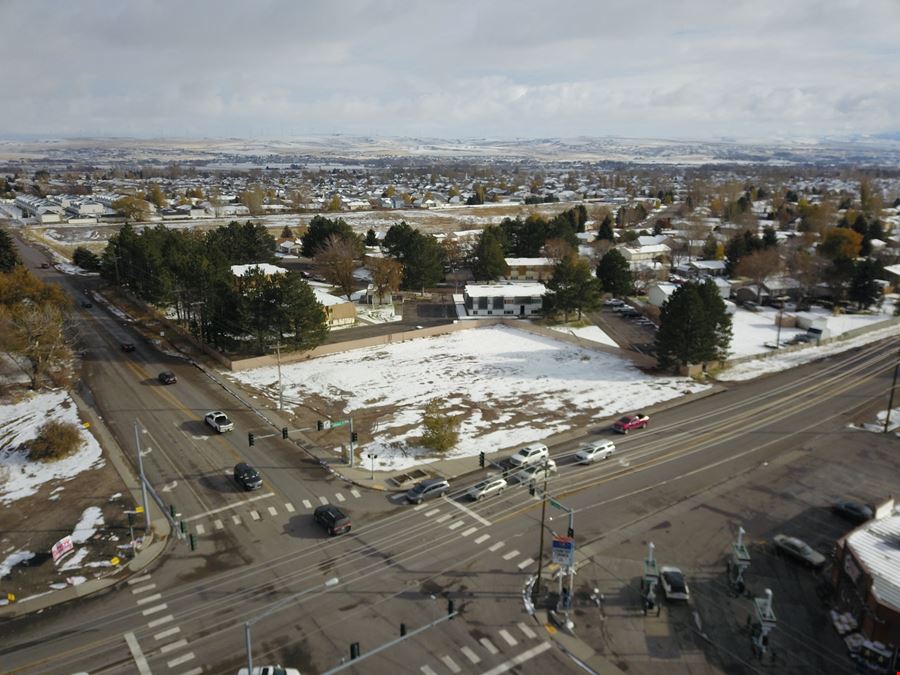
530 262
505 290
708 264
265 268
876 546
328 299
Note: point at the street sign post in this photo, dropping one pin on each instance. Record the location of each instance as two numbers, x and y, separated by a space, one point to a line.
564 551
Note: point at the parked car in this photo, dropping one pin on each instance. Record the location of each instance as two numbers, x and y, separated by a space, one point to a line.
751 306
45 266
530 454
167 377
219 421
591 452
614 302
633 421
127 346
629 312
855 512
801 338
427 489
247 477
673 584
332 519
486 488
534 472
270 670
799 550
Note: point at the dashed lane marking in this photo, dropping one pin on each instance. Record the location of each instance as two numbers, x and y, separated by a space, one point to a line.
443 518
428 514
496 547
254 515
154 610
236 520
519 659
323 501
510 640
525 563
167 633
355 493
466 533
340 497
512 554
272 511
289 507
455 525
487 644
199 529
138 580
468 511
525 628
219 525
172 646
482 538
451 664
160 621
143 589
139 660
469 654
307 504
193 671
426 670
181 659
149 599
241 503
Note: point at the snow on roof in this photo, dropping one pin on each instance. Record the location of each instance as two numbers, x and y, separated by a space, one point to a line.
505 290
328 299
708 264
653 248
651 240
893 269
533 262
876 546
265 268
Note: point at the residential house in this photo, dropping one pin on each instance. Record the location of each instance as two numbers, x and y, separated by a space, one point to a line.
530 269
339 312
503 299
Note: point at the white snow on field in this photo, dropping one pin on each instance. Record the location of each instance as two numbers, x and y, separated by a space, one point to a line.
20 423
90 520
75 562
510 386
12 560
592 333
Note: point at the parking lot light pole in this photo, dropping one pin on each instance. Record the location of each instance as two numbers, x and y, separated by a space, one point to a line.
373 457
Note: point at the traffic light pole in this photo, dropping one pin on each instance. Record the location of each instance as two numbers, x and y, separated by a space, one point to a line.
537 584
143 479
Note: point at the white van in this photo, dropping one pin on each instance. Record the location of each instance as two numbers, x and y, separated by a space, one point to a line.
595 450
530 454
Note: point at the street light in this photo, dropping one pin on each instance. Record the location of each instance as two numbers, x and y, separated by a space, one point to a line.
333 581
373 457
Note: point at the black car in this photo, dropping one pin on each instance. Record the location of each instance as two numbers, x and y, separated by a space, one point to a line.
247 477
167 377
127 346
427 489
332 519
855 512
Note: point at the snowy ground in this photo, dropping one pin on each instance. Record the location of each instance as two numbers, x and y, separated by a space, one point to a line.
509 386
20 423
592 333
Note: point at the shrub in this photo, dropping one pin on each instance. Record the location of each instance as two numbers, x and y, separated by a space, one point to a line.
56 440
441 429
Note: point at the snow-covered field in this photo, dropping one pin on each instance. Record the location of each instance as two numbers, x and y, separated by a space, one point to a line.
511 387
592 333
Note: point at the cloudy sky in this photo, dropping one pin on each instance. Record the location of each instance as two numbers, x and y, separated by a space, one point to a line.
500 68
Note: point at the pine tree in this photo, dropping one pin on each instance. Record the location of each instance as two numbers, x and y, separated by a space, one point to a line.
615 274
490 263
572 288
9 256
441 429
605 231
694 326
864 290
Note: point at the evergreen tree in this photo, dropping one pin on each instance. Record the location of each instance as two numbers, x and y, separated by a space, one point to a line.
615 274
605 230
320 229
286 233
489 261
572 288
710 248
694 326
864 290
86 259
371 238
9 256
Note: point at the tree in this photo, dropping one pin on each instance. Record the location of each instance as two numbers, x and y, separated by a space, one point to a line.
758 266
840 242
371 238
9 255
605 230
86 259
242 244
864 289
557 249
320 229
441 430
614 274
387 275
710 248
572 288
335 259
869 197
155 196
694 326
423 265
334 204
253 199
489 262
302 319
132 208
286 233
740 245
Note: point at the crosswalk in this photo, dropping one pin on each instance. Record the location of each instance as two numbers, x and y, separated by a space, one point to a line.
515 644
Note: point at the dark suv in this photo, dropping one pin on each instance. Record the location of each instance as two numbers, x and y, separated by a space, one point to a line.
167 377
247 477
127 346
332 519
427 489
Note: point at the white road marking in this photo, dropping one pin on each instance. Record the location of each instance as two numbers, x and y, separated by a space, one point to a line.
193 671
427 671
468 511
272 511
149 599
199 529
143 589
496 547
525 563
154 610
443 518
510 555
160 622
139 660
482 538
355 493
307 504
254 515
432 512
340 497
524 627
167 633
510 640
171 486
236 520
243 502
455 525
138 580
469 654
219 525
451 664
487 644
323 501
466 533
518 660
172 646
417 507
187 657
289 507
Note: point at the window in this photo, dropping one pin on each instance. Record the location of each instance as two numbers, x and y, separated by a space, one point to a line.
498 302
482 303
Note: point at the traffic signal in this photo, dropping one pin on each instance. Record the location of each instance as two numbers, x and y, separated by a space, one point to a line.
284 432
402 629
354 437
450 608
531 489
251 439
481 459
571 532
354 650
320 427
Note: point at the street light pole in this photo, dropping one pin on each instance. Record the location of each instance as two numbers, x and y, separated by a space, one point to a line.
537 584
887 416
280 388
373 457
137 441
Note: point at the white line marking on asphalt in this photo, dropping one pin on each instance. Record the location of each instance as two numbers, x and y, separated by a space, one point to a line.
143 589
510 640
160 622
482 538
443 518
307 504
355 493
149 598
154 610
518 660
527 630
432 512
236 520
525 563
137 654
468 511
272 511
496 547
487 644
219 525
323 501
243 502
451 664
138 580
455 525
427 670
172 646
199 529
469 654
466 533
340 497
510 555
254 515
289 507
184 659
193 671
167 633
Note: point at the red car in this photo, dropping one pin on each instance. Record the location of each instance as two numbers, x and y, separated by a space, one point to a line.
628 422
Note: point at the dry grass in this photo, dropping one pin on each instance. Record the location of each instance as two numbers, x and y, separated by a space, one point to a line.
56 440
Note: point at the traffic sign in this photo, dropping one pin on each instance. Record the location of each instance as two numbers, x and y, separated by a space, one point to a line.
340 423
564 551
557 505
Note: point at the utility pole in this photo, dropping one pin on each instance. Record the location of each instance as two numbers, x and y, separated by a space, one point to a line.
537 585
280 388
887 417
137 441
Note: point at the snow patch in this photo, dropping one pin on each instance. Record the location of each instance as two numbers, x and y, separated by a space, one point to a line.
91 518
12 560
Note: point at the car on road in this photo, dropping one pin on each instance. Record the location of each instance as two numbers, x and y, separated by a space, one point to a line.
127 346
219 421
798 550
595 450
633 421
855 512
332 519
673 584
534 472
45 266
247 477
486 488
530 454
270 670
167 377
427 489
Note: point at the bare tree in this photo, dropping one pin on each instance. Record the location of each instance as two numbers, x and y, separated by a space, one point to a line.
558 249
696 231
335 260
387 275
758 266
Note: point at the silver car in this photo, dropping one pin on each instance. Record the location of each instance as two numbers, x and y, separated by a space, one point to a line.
594 451
486 488
799 550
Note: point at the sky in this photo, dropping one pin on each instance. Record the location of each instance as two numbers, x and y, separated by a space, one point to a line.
693 69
